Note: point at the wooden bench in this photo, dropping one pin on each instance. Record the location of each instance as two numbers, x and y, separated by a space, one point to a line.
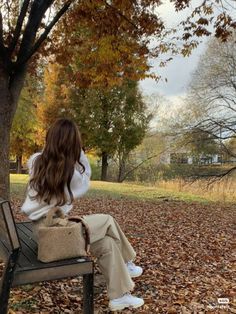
18 251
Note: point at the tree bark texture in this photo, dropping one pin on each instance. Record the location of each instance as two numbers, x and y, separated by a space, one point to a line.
121 173
10 89
5 126
104 166
19 164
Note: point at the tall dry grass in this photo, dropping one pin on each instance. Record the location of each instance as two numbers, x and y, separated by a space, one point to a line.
223 190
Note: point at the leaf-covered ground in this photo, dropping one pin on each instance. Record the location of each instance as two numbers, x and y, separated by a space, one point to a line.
187 251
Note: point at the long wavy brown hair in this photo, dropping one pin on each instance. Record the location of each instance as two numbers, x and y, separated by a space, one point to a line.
54 168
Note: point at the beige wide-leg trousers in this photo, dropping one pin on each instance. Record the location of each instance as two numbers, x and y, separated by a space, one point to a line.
112 250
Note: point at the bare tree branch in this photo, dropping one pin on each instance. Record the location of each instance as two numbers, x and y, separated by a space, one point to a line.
2 47
224 125
48 29
142 162
121 14
18 27
8 13
31 51
38 9
1 31
218 175
228 151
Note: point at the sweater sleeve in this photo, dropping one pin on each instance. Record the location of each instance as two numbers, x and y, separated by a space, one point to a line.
30 162
81 180
85 162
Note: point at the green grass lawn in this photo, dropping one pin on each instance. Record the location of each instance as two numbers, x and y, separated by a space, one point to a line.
18 185
114 190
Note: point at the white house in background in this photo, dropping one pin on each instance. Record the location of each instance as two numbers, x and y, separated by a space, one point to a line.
172 154
188 159
184 156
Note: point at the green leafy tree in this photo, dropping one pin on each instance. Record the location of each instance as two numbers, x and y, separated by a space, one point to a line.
133 122
53 102
200 143
112 121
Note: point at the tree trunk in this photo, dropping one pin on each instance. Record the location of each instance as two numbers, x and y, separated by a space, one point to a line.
19 164
10 89
121 173
104 166
5 127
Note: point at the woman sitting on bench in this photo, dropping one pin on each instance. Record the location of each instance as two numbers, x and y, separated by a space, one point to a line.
59 175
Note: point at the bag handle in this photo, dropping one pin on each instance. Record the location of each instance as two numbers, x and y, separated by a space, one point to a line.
51 213
86 228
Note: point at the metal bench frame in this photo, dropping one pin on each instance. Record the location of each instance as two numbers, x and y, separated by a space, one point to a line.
18 251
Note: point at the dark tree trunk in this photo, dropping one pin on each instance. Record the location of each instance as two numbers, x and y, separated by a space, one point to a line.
121 173
10 89
19 164
104 166
5 126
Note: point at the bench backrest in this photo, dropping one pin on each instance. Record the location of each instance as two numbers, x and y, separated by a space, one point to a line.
9 242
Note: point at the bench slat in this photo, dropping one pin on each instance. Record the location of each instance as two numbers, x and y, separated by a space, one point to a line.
31 246
27 255
23 260
4 233
26 227
4 251
10 225
26 276
25 239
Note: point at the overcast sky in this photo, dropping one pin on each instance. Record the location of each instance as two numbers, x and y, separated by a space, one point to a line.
178 71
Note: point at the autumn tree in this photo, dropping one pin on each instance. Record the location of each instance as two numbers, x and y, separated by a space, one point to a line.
53 102
24 127
25 25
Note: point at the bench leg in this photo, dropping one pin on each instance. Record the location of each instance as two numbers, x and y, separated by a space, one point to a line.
5 293
7 282
88 293
4 301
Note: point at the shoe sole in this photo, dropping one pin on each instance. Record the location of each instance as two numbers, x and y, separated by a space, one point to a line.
123 306
135 276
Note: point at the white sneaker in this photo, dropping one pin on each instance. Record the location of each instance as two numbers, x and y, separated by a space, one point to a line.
134 271
126 301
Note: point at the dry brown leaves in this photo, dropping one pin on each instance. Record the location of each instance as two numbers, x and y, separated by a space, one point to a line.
187 251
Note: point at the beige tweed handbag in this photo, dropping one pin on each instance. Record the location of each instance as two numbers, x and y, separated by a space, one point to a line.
61 238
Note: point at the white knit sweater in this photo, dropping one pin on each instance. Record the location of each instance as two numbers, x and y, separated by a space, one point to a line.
79 186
